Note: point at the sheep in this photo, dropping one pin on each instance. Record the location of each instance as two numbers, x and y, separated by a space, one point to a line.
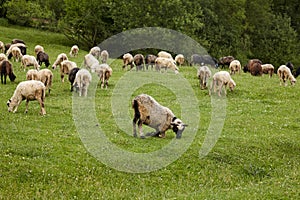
203 74
150 60
43 57
32 74
38 48
127 60
254 67
179 59
104 56
21 46
166 63
6 69
138 61
104 71
226 60
16 53
29 90
235 67
222 78
61 57
16 41
196 59
2 47
90 62
72 76
28 60
290 65
74 51
268 69
46 77
164 54
6 47
149 112
82 81
285 73
65 67
3 57
95 51
296 73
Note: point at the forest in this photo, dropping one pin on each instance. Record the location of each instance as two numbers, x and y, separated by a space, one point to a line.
264 29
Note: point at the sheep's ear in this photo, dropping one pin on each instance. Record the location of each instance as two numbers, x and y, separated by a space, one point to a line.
8 102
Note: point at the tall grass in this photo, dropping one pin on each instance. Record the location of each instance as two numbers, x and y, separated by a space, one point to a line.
256 157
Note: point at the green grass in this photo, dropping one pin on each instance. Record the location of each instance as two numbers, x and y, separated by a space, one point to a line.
256 157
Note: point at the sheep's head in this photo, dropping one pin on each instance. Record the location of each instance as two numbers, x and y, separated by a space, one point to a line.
232 85
293 81
11 105
178 127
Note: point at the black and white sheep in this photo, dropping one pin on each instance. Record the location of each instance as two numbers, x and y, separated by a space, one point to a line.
203 74
220 79
285 73
149 112
61 57
72 76
166 63
74 51
82 81
29 90
104 72
6 69
104 56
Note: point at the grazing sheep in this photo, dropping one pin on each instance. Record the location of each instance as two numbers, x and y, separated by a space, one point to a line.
290 65
164 54
2 47
222 78
150 60
74 51
254 67
32 74
72 76
21 46
95 51
104 72
127 60
149 112
285 73
203 75
28 60
203 60
29 90
16 54
46 77
138 61
82 81
3 57
38 48
61 57
90 62
43 57
104 56
225 61
166 63
6 69
179 59
235 67
268 69
16 41
65 67
6 46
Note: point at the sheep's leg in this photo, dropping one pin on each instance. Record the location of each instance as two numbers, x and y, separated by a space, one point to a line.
27 101
62 77
220 89
42 105
134 126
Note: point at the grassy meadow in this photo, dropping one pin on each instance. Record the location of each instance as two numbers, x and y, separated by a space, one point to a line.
257 155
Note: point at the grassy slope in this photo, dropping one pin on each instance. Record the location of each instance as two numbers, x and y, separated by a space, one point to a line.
257 155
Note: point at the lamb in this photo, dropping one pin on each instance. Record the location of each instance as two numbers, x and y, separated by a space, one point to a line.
149 112
104 72
127 60
285 73
222 78
2 47
166 63
235 67
179 59
46 77
268 69
38 48
29 90
28 60
74 51
104 56
82 81
43 57
203 75
72 76
6 69
90 62
95 51
150 60
32 74
3 57
65 67
164 54
61 57
16 54
138 61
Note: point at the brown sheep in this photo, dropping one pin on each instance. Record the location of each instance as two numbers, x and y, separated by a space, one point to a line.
254 67
6 69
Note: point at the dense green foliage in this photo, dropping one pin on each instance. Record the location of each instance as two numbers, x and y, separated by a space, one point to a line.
264 29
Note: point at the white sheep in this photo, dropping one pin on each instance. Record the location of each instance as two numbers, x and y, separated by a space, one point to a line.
65 67
3 57
220 79
2 47
127 60
90 62
38 48
29 90
104 71
28 60
166 63
203 74
46 77
32 74
61 57
95 51
104 56
179 59
149 112
268 69
74 51
20 45
164 54
285 73
82 81
235 67
16 53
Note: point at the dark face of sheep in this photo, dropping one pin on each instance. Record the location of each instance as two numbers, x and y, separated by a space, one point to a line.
178 127
10 106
